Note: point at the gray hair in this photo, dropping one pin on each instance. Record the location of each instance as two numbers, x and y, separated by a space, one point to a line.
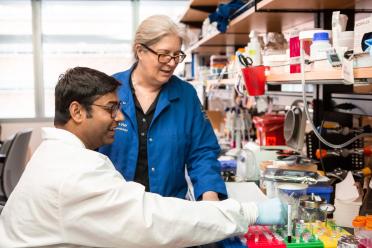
154 28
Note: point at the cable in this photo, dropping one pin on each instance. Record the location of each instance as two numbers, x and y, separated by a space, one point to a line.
302 60
320 148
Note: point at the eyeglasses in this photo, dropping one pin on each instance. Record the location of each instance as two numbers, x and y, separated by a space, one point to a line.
166 58
112 109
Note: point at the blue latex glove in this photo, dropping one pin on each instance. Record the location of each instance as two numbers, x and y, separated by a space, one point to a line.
272 212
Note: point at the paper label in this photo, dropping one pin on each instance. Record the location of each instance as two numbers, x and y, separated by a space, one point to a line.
348 71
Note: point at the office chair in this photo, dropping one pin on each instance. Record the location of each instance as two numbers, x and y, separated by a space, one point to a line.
14 162
3 154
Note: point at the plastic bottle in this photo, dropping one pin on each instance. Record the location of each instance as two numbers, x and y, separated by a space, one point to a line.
320 46
254 49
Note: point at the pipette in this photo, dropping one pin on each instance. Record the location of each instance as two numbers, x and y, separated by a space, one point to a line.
289 234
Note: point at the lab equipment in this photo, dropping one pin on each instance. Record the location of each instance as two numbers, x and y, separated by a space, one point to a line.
294 52
255 80
262 236
320 46
290 176
290 193
294 128
309 208
363 227
327 209
254 48
325 233
348 241
324 191
366 151
270 129
333 58
289 224
303 237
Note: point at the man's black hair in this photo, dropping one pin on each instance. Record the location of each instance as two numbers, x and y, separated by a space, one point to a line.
83 85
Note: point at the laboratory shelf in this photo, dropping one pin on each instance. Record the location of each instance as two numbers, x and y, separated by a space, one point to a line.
327 75
239 28
265 16
198 10
314 5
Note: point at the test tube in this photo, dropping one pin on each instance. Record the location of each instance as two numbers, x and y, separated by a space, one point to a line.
289 231
268 237
278 237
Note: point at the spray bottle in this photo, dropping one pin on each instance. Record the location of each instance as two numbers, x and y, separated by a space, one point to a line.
253 49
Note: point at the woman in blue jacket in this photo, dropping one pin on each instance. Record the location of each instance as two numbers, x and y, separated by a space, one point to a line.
165 129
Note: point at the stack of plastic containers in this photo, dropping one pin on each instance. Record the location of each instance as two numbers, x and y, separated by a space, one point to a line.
363 229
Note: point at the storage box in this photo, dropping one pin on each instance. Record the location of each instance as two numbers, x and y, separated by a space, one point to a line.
362 31
323 191
270 129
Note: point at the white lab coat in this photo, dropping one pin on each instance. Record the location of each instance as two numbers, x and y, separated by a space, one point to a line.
69 196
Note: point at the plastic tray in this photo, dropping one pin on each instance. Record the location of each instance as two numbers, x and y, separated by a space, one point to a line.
256 238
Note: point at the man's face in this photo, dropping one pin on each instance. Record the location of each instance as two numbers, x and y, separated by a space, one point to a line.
99 129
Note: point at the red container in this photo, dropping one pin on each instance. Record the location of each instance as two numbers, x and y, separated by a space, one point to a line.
294 54
262 236
270 129
255 79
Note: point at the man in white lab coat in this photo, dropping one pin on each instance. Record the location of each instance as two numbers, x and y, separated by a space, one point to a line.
71 196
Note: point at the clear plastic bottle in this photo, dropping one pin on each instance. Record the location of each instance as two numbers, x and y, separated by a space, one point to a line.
253 49
320 46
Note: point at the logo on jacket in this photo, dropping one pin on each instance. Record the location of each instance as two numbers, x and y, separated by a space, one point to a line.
122 127
203 112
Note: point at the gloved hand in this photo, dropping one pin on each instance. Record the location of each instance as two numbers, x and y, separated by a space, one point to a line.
272 212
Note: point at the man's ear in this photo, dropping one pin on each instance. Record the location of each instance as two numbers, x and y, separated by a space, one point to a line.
77 112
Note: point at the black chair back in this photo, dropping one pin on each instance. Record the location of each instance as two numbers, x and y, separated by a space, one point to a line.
15 161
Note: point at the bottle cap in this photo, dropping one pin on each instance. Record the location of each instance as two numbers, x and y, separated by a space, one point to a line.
358 223
253 34
321 36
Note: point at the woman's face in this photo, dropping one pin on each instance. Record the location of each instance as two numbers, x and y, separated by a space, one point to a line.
159 72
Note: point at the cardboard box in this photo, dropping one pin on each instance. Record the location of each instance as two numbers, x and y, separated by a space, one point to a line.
362 31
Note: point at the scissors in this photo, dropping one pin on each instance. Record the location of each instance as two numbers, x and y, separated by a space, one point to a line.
244 60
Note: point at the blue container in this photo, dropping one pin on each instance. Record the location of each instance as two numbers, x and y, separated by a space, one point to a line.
323 191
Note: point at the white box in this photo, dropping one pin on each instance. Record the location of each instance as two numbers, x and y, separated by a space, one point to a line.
362 27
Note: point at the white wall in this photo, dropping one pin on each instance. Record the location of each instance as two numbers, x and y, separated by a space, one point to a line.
11 128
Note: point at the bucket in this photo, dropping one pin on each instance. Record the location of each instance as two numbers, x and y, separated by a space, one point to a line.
255 79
